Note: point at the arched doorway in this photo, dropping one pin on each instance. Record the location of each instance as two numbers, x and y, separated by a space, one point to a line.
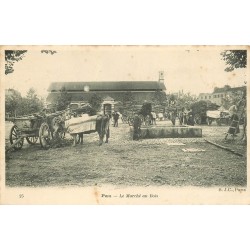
108 105
107 108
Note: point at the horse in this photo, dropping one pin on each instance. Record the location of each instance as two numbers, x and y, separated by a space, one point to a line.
102 127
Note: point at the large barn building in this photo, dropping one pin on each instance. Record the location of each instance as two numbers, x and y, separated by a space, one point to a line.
111 93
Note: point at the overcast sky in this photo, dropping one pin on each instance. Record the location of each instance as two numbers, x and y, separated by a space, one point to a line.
191 69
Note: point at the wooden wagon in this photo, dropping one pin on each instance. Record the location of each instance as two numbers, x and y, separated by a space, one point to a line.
221 117
38 126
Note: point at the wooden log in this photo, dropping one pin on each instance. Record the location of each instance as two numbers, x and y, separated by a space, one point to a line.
223 147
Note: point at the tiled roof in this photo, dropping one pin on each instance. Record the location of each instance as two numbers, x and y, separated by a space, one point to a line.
107 86
139 96
108 98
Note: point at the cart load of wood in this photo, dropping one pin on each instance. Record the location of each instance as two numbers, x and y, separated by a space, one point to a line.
82 124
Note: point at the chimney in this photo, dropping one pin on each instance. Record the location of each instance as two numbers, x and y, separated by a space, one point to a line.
161 76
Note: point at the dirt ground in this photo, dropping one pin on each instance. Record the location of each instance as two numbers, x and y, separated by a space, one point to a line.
123 162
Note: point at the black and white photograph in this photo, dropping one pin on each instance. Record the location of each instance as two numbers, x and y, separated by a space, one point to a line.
124 124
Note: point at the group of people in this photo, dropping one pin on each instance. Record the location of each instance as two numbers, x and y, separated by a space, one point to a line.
186 117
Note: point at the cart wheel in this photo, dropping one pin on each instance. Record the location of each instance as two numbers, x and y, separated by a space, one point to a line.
14 136
45 135
32 139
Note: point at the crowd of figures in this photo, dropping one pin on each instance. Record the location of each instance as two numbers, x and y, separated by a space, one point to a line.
147 116
51 125
185 117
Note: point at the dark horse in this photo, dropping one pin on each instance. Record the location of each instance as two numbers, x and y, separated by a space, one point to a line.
102 127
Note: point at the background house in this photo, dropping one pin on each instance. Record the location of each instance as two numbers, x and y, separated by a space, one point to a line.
219 95
112 93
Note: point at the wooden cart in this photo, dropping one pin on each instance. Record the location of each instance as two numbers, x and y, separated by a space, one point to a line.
221 117
42 126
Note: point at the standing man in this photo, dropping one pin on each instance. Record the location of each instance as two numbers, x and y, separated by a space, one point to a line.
234 126
137 127
181 116
190 120
153 115
116 117
173 116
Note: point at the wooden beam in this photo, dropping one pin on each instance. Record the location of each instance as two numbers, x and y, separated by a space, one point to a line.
225 148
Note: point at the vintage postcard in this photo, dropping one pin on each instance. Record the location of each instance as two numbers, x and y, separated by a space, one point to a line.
124 125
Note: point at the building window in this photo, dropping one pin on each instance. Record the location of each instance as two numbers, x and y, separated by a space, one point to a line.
205 97
210 97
